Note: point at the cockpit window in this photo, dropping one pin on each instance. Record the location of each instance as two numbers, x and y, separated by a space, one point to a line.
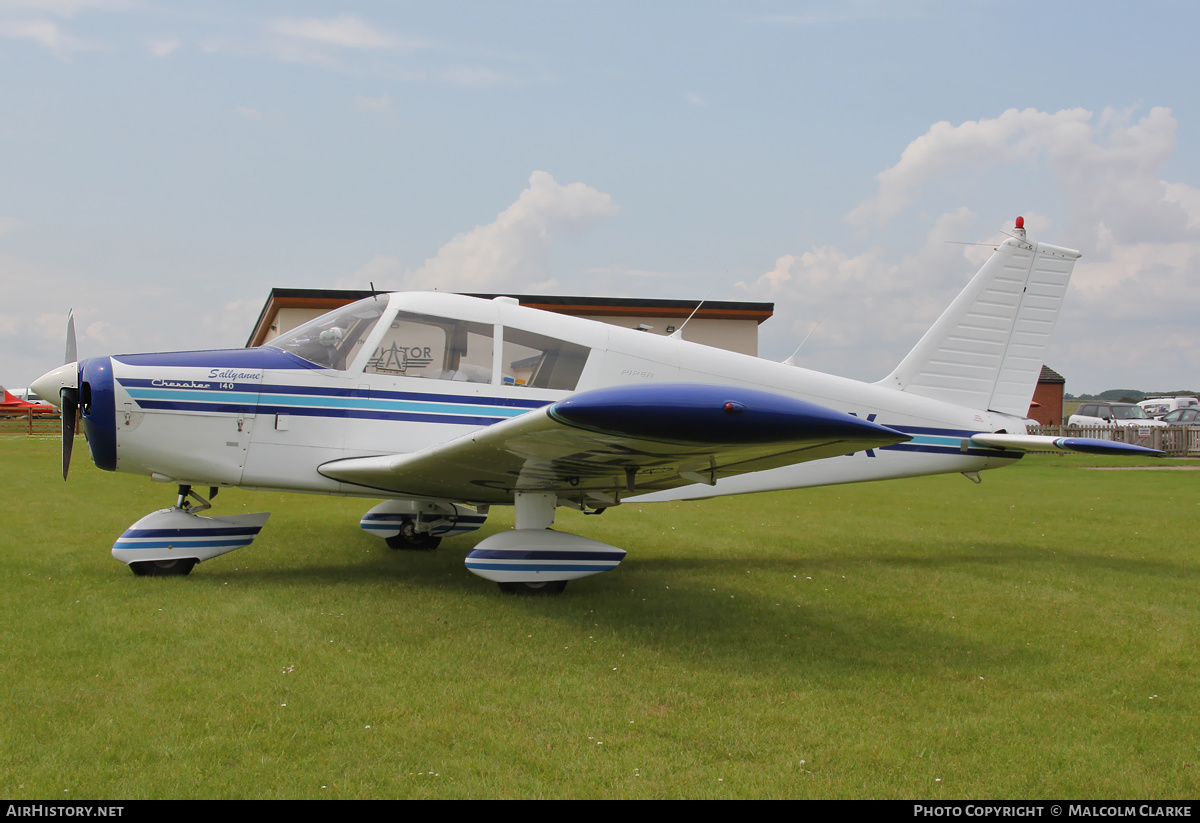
333 339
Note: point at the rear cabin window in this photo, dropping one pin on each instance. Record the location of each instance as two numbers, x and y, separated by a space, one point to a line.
542 362
436 348
444 349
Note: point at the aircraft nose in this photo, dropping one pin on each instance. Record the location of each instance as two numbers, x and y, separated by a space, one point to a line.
50 385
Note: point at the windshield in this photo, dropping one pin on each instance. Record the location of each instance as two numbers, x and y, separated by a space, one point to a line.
333 339
1129 413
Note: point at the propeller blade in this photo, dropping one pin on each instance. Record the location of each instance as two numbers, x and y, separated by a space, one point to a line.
69 405
70 356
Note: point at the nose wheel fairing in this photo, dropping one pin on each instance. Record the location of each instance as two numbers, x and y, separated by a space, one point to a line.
173 534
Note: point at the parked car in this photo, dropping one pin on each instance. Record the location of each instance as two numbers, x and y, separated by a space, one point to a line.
1183 417
1158 406
1112 414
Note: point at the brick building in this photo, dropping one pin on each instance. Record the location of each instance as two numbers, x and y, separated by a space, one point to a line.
1047 406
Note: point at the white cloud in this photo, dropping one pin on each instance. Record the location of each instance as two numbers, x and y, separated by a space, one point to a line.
1137 285
249 113
8 224
334 44
232 321
164 46
46 33
1187 198
621 271
67 8
507 254
511 251
874 309
383 270
467 76
695 99
1012 137
1106 168
344 32
33 339
843 11
381 103
31 20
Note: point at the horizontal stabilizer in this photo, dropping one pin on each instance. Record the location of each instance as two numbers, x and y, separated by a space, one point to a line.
1083 445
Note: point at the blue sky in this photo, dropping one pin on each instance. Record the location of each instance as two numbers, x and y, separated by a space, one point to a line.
163 165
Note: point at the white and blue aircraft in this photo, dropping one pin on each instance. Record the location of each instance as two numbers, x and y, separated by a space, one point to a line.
447 405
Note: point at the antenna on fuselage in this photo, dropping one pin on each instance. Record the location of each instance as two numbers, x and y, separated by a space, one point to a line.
791 361
678 333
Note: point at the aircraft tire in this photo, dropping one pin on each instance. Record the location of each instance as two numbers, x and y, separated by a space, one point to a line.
163 568
414 541
547 589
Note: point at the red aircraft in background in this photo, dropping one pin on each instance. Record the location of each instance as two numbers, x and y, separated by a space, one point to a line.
16 405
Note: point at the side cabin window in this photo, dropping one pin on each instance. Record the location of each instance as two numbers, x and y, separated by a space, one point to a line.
541 362
439 348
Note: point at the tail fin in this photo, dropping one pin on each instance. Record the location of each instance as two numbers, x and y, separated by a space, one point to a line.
986 350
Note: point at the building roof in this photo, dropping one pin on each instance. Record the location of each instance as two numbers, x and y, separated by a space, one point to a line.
1049 375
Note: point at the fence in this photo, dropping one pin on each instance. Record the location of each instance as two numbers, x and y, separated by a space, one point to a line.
1177 441
30 423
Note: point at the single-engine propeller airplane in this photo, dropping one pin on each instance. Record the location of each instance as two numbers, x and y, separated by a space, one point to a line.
447 405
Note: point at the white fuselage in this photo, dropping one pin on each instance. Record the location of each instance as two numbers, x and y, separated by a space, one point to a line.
266 419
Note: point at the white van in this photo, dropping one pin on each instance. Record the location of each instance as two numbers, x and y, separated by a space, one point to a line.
1158 406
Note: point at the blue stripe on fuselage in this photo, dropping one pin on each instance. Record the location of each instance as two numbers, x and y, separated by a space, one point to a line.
418 407
213 385
202 400
212 396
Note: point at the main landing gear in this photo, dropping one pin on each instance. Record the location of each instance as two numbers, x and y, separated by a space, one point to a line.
163 568
420 525
409 539
533 559
534 589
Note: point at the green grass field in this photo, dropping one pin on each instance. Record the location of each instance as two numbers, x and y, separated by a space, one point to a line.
1031 637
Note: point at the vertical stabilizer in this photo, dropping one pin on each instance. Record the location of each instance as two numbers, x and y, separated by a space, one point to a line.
986 351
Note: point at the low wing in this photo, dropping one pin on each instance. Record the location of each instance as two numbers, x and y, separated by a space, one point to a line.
595 446
1042 442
